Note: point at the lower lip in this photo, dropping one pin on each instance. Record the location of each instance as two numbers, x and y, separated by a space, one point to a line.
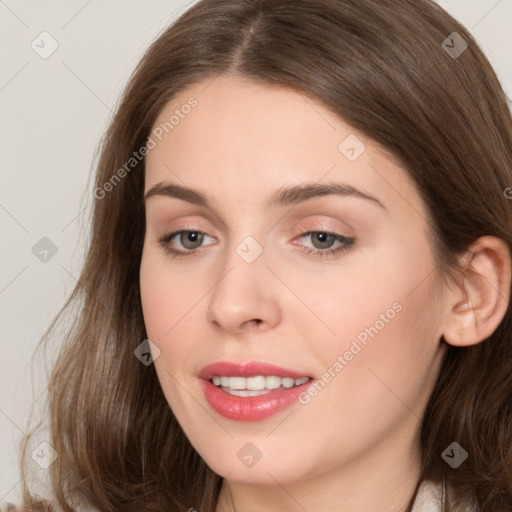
251 408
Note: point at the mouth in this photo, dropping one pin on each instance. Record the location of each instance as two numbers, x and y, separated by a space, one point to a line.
251 391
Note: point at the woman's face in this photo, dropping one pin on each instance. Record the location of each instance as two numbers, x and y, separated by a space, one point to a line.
337 287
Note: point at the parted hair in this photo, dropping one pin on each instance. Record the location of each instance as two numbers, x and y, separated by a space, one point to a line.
382 66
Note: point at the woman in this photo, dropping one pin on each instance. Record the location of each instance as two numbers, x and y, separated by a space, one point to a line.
301 218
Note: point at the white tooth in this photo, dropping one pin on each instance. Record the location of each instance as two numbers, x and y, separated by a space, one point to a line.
247 392
272 382
287 382
237 382
256 383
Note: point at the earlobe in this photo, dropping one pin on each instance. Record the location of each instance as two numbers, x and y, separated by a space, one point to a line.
480 302
464 320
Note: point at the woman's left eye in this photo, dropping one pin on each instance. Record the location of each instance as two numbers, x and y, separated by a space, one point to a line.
326 243
190 241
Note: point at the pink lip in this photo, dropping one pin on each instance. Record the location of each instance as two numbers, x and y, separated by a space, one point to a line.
250 369
249 408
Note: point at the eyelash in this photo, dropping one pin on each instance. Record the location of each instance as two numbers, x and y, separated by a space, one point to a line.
178 254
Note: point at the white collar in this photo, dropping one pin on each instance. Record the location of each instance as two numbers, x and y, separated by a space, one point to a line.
429 497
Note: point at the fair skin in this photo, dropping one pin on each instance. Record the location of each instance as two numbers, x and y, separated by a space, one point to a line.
353 446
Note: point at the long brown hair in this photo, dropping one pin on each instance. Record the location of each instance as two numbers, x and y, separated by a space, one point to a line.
384 67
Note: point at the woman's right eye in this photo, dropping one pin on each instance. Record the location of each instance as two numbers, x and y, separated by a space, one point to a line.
187 239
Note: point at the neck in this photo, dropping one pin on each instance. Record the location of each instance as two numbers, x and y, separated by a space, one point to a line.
383 478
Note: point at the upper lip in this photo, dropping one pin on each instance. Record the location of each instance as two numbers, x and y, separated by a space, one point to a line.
249 369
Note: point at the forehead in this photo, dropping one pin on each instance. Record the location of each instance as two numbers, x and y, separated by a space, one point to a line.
256 138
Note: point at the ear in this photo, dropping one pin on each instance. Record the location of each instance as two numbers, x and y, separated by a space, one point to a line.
480 300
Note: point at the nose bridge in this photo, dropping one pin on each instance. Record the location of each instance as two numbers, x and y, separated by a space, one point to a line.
243 294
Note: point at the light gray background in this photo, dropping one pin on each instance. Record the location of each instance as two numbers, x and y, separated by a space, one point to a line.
53 114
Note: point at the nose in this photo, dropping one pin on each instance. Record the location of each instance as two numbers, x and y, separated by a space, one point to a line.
245 297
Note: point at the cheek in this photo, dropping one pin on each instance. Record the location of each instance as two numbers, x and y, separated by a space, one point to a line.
155 300
366 290
163 296
379 317
164 314
171 304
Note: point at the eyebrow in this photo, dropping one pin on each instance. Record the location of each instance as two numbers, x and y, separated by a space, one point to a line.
284 196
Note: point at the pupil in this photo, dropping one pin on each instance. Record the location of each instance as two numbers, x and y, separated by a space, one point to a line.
191 238
323 239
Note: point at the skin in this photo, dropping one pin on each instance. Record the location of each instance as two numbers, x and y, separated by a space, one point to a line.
353 446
